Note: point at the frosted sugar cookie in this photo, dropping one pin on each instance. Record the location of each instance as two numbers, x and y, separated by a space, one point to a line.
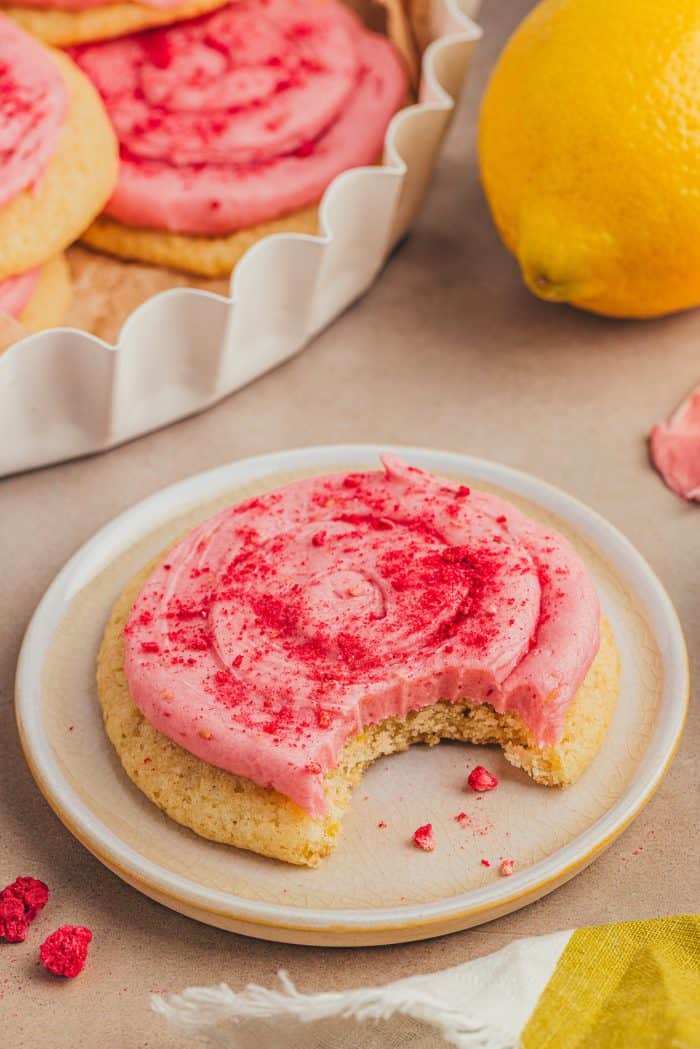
58 162
38 298
233 125
249 677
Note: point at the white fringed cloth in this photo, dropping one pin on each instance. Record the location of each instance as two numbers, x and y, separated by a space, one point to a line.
483 1004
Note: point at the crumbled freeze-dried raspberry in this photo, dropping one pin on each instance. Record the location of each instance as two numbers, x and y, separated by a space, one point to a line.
485 863
507 867
423 837
382 824
480 779
20 903
33 893
64 952
13 920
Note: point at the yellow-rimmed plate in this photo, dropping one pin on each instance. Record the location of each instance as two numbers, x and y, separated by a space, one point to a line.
376 888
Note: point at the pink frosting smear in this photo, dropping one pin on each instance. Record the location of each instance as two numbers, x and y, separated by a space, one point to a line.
15 292
33 108
280 627
675 448
245 114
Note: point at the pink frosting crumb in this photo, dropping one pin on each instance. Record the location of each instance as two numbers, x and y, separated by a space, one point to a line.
675 448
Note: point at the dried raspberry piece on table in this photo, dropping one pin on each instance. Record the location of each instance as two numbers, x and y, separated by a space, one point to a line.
33 893
65 951
507 867
20 903
13 920
480 779
423 837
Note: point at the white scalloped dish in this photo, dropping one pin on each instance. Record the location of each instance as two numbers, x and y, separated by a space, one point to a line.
376 887
65 393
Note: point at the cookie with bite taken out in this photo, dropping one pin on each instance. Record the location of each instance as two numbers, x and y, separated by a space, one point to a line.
250 675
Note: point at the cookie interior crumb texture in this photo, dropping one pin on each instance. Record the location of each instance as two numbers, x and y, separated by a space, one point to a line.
233 810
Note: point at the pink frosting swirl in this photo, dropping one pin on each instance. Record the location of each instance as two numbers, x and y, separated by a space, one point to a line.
33 108
245 114
15 292
280 627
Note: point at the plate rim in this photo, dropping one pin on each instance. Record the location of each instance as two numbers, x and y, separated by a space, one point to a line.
157 881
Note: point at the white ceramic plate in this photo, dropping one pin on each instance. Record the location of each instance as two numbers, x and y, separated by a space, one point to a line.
376 888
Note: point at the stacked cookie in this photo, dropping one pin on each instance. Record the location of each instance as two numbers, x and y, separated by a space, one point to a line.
58 166
230 125
66 22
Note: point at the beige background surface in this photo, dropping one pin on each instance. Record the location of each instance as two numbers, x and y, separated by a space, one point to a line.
448 350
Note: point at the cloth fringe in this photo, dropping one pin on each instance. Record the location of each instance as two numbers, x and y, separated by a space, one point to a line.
200 1010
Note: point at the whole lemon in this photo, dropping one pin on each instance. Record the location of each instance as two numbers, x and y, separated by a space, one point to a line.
590 153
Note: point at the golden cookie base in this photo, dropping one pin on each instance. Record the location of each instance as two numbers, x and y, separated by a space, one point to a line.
52 296
205 256
67 28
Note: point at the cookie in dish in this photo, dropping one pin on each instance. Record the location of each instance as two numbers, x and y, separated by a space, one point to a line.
38 298
232 126
63 23
58 164
249 676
